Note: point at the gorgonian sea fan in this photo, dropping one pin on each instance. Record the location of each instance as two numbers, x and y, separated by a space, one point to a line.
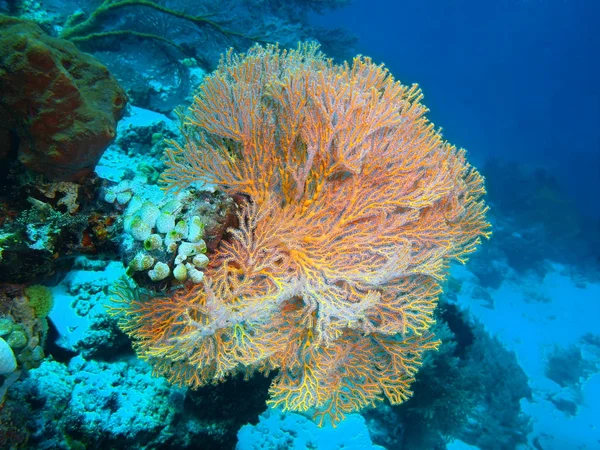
356 207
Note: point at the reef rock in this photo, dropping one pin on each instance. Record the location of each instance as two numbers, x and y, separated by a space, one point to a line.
59 107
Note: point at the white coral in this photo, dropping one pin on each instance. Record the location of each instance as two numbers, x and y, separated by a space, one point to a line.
200 261
153 242
190 249
139 229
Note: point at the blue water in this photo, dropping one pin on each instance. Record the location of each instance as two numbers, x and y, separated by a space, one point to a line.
513 79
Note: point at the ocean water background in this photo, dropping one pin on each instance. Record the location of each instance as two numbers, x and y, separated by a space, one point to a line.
515 82
510 79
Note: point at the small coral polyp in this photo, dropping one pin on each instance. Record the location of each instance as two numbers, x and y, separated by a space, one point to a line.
356 206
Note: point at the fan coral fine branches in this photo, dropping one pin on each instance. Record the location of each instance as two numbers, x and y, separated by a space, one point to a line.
355 207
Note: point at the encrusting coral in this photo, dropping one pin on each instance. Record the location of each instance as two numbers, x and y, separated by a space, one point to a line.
355 207
40 299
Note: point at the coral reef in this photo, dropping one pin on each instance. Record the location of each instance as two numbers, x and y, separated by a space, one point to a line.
321 271
40 299
570 368
23 332
59 112
165 237
59 106
164 230
137 151
90 382
46 225
21 324
354 206
126 404
89 404
79 320
145 136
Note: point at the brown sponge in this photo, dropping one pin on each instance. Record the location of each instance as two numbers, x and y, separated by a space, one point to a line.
58 106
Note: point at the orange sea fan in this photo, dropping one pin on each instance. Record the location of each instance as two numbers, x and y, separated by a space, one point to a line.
356 206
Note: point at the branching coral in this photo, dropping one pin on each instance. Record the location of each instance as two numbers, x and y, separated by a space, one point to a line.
356 206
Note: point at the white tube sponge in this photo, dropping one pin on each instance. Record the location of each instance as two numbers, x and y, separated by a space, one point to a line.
180 272
127 221
141 261
153 242
8 362
149 212
182 228
123 197
134 205
165 222
190 249
196 229
139 229
110 196
160 271
172 207
172 237
194 274
200 261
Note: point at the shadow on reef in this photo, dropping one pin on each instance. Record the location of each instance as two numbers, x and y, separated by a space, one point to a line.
469 390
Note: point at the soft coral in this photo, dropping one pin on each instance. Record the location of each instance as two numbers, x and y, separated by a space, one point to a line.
356 207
